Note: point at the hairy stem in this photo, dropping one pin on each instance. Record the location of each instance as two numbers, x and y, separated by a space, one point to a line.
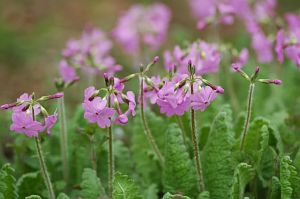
110 155
63 138
146 127
196 148
248 116
43 166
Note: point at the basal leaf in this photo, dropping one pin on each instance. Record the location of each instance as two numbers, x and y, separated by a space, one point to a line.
91 185
7 182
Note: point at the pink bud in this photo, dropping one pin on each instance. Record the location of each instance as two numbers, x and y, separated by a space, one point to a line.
105 75
236 66
257 69
190 62
156 58
276 81
7 106
56 95
220 90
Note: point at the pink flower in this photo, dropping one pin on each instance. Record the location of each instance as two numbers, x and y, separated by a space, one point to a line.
95 111
89 92
206 58
279 48
23 123
172 102
49 122
262 47
142 25
67 72
202 99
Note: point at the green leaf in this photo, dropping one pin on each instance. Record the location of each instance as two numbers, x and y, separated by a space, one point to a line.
30 183
63 196
151 192
176 196
275 189
7 182
242 176
253 137
125 188
179 175
289 181
204 195
91 185
33 197
146 166
217 158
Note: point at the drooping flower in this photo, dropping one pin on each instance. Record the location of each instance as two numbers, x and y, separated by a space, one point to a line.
142 25
200 100
49 122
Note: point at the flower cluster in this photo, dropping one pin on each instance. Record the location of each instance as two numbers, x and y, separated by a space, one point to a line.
182 92
287 42
26 112
205 56
90 54
142 25
101 110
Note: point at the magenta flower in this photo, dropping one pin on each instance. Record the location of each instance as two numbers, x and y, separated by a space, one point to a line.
95 111
206 58
262 47
23 123
90 54
67 72
49 122
202 99
172 102
142 25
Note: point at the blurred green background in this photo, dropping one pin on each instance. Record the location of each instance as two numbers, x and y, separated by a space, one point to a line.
33 32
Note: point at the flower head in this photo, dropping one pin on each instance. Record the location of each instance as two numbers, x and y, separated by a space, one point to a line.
200 100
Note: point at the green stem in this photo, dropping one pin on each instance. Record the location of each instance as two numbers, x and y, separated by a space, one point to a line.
196 147
180 124
248 116
110 155
44 170
93 152
146 127
43 166
63 138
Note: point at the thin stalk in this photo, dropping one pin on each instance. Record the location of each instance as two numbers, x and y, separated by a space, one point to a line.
110 155
248 116
93 152
196 148
146 127
43 166
180 124
63 138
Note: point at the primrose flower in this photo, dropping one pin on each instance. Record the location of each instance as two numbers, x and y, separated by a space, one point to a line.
97 112
142 25
287 42
206 57
90 54
26 114
202 99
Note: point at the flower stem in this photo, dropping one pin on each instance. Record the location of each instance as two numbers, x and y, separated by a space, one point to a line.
146 127
196 147
44 168
63 138
93 152
110 155
248 116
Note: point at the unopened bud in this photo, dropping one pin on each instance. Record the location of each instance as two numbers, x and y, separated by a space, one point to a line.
156 58
7 106
56 95
220 90
270 81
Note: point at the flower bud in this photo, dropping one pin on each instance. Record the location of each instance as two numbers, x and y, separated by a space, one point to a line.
8 106
220 90
156 58
270 81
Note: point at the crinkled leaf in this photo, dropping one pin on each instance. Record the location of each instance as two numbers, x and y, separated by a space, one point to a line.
242 176
7 182
275 189
204 195
175 196
179 175
33 197
29 184
125 188
63 196
91 186
217 157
